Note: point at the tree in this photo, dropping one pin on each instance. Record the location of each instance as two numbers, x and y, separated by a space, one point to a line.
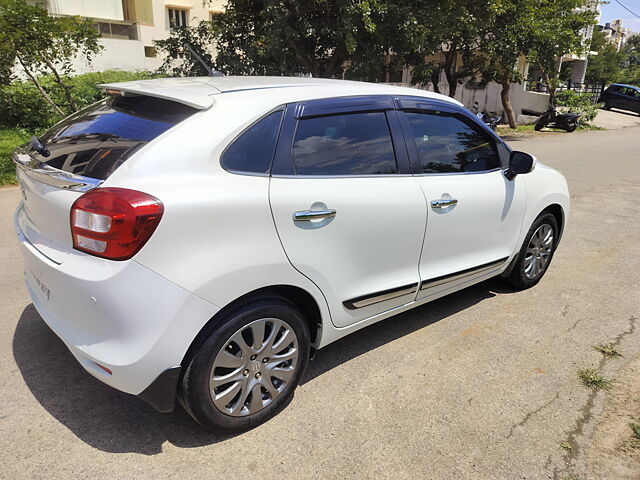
40 44
541 31
606 65
441 36
557 30
285 37
178 60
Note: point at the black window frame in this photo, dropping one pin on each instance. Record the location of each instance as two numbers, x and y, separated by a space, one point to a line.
427 105
284 165
281 108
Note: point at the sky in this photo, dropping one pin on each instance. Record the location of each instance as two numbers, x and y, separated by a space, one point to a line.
613 11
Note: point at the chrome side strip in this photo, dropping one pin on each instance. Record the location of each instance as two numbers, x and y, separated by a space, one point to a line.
378 297
434 282
52 176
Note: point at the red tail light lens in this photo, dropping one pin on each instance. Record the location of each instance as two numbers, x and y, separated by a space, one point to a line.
114 223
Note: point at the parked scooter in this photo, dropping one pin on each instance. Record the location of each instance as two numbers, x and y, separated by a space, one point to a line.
552 118
491 119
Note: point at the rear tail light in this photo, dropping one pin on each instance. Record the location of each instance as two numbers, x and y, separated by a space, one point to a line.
114 223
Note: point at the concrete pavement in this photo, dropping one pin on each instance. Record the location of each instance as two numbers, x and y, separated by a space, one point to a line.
478 385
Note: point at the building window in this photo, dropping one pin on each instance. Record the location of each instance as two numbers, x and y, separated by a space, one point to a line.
178 17
122 31
213 14
150 52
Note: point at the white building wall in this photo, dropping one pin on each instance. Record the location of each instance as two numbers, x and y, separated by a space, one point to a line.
120 54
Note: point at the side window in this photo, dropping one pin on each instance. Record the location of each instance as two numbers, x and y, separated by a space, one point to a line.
253 150
449 143
349 144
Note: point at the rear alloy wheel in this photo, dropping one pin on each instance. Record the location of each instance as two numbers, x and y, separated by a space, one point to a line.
254 368
246 370
536 253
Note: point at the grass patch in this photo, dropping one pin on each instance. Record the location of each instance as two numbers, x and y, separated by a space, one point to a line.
631 446
567 446
608 350
10 138
506 131
591 378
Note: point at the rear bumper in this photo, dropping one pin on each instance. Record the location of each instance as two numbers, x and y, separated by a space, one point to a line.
126 325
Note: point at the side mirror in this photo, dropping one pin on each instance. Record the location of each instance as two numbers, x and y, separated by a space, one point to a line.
519 163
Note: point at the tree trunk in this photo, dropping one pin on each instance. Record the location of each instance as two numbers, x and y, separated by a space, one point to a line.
506 104
65 87
450 69
435 79
42 91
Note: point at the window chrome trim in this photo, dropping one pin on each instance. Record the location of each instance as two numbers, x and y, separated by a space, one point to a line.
366 300
458 173
452 277
386 175
52 176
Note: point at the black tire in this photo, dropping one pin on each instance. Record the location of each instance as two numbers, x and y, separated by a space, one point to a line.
517 277
194 389
606 106
538 126
571 128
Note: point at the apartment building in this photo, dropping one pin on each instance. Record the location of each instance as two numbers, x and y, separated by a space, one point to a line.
129 27
616 33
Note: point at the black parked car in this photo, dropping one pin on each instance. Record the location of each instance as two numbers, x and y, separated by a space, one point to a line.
624 97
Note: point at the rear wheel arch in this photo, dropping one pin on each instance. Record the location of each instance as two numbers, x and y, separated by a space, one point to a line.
299 297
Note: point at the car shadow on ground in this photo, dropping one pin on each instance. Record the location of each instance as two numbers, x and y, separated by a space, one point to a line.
115 422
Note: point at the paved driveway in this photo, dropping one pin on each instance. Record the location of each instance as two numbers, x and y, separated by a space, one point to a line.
478 385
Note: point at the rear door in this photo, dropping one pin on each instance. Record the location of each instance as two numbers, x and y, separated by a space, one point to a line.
83 150
349 214
474 213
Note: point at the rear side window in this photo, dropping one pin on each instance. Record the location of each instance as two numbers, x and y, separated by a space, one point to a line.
349 144
97 140
449 143
253 150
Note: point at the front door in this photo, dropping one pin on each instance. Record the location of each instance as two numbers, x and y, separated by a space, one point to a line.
349 214
474 213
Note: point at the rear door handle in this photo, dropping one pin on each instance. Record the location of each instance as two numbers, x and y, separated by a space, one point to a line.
444 203
308 215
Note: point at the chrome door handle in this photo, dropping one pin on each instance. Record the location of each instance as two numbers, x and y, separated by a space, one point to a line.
449 202
308 215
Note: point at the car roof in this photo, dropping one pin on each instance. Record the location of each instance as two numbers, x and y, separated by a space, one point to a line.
199 92
625 85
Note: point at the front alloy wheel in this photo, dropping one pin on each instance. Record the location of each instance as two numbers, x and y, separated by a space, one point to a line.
538 251
535 254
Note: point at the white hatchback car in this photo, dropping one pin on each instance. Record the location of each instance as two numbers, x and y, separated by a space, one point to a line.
204 236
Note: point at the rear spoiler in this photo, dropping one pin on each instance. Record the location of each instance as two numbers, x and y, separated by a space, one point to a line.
48 175
189 92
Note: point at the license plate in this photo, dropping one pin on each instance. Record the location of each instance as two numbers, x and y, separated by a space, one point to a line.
42 286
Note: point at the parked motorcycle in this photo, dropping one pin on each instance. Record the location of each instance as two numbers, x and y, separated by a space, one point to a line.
491 119
552 118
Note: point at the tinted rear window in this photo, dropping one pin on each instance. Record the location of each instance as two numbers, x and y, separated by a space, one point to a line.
97 140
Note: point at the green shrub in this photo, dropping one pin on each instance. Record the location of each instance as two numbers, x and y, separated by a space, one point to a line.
21 105
10 138
578 102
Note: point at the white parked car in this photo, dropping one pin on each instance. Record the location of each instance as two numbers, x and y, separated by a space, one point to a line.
203 237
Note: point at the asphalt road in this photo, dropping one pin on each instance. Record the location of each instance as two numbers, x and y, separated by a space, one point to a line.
478 385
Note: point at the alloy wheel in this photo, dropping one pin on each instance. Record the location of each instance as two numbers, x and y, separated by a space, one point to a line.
254 367
538 251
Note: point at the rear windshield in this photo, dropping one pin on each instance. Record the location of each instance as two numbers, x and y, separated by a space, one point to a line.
97 140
